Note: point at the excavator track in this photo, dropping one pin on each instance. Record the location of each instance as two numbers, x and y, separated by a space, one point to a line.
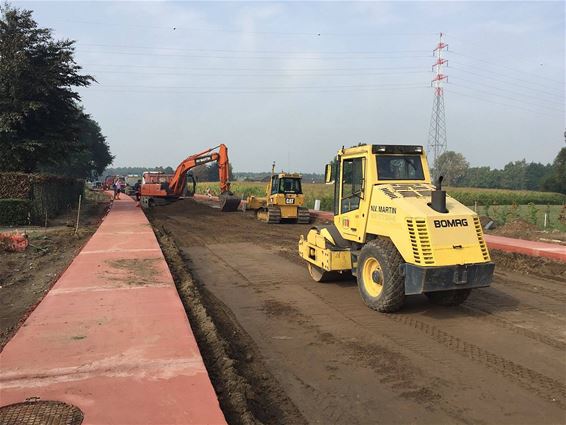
303 216
269 215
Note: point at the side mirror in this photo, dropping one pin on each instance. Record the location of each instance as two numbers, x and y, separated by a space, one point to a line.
328 177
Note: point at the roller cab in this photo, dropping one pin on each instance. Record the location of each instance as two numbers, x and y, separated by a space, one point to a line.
401 234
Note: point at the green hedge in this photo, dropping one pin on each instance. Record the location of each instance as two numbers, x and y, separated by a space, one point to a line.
14 212
47 194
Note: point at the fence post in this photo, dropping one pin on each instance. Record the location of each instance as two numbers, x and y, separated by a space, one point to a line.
545 218
317 204
78 214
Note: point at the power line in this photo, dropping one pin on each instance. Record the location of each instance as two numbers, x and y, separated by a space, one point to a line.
506 97
538 90
491 102
341 86
263 92
231 68
510 91
238 31
255 57
531 75
265 74
290 52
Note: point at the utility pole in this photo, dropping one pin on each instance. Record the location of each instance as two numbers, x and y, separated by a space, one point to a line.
437 132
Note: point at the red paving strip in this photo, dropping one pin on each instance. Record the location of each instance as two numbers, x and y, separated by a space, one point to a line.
112 337
533 248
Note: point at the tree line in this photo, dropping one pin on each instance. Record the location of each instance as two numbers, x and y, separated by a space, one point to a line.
138 171
43 126
206 172
519 175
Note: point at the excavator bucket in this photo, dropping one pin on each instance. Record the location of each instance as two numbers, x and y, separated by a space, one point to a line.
229 202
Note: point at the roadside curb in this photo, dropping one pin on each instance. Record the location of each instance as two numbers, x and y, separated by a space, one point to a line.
522 246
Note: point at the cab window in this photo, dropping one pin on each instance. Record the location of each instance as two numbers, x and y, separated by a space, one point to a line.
274 185
290 186
399 167
352 184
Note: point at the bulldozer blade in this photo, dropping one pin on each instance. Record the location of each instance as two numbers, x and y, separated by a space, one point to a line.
229 202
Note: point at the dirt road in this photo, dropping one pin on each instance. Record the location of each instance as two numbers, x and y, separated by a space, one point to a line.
499 358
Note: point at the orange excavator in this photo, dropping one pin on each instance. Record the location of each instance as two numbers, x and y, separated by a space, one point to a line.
160 188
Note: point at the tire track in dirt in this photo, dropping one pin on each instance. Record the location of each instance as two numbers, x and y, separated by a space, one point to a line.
538 290
497 301
394 369
545 387
529 379
247 391
486 315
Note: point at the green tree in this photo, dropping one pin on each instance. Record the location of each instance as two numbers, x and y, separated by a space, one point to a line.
535 174
91 157
556 181
39 113
209 172
514 175
483 177
453 166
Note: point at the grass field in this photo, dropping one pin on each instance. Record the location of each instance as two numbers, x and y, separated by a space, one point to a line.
500 204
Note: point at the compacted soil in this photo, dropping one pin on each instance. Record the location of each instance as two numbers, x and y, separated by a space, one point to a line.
25 277
282 348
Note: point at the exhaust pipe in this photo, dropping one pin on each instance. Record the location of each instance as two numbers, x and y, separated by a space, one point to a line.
438 198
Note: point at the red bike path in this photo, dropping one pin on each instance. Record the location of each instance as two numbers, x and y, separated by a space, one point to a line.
112 336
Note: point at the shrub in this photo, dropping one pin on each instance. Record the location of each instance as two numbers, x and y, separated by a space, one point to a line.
533 212
47 194
15 185
14 212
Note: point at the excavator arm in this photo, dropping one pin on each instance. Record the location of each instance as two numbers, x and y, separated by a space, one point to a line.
228 201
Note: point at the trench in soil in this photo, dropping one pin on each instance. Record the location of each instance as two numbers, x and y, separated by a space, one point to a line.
247 391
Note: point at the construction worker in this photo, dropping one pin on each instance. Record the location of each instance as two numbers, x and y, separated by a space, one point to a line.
117 188
137 190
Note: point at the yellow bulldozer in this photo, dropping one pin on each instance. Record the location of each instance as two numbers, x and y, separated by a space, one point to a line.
395 232
284 200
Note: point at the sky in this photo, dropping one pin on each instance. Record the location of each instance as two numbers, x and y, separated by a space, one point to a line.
292 82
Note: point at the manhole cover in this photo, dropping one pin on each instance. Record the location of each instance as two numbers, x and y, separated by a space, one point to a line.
40 413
